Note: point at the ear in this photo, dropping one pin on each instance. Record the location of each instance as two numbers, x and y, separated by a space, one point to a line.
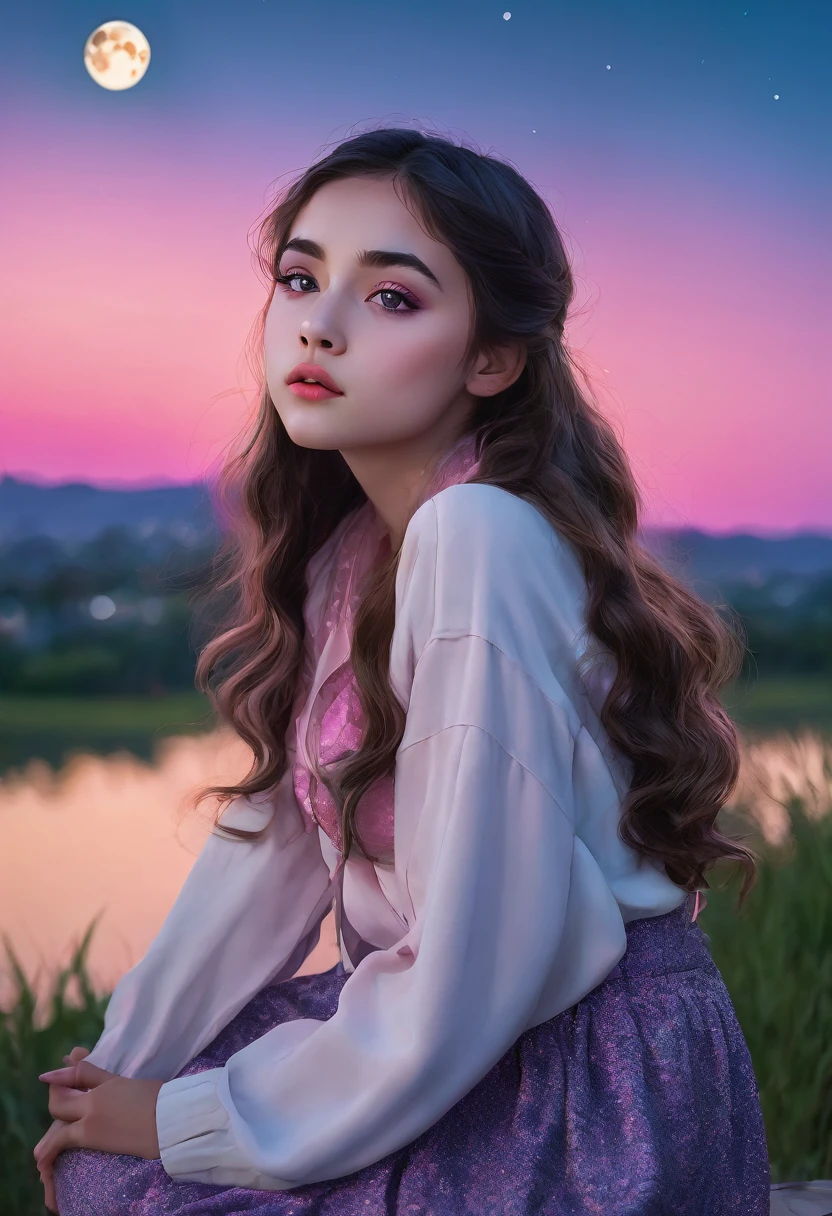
497 368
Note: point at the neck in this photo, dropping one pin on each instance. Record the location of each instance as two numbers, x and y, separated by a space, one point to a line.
398 478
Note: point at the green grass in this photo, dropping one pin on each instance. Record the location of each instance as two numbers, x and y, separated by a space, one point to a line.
31 1043
767 701
53 728
172 712
781 703
775 958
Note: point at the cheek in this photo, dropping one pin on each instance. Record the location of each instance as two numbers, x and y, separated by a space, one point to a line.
274 342
428 360
274 328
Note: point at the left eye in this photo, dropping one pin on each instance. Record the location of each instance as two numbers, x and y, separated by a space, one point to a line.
404 297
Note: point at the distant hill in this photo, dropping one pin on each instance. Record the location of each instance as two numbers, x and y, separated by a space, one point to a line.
77 511
741 556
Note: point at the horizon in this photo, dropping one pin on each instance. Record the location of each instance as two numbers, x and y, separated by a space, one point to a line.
757 533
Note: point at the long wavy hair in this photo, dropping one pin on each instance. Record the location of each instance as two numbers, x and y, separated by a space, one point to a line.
543 439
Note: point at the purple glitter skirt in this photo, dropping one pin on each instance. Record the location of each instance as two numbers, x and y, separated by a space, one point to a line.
640 1100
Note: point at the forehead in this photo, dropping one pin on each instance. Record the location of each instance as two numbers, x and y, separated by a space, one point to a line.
354 198
359 213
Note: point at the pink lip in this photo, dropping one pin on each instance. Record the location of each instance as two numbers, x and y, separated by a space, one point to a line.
305 371
312 392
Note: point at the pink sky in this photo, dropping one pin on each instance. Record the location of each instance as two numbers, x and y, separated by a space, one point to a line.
129 291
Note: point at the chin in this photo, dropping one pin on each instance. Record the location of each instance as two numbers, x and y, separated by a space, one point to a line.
311 437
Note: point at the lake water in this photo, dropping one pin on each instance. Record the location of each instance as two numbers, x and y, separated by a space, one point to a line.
105 834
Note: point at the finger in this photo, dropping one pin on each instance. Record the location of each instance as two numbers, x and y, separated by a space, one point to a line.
60 1076
48 1179
67 1104
91 1075
77 1076
60 1136
45 1140
77 1053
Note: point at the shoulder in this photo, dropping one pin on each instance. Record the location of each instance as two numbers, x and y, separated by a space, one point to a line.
493 598
485 538
490 518
449 522
477 559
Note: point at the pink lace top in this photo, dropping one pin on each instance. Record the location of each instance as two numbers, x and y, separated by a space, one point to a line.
341 730
331 723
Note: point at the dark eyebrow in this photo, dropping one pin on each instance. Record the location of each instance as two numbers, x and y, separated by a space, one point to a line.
366 257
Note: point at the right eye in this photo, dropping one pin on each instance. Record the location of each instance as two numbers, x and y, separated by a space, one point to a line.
286 279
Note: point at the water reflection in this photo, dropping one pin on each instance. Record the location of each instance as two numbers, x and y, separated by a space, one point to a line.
107 834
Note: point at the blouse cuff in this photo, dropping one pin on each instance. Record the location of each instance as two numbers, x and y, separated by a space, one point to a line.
196 1143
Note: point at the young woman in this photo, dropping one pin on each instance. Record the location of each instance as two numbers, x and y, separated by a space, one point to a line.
485 725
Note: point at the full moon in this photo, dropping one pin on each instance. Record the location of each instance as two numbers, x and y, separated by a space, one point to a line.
116 55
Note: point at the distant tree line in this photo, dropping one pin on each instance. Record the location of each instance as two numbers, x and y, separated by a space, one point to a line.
787 623
123 614
111 616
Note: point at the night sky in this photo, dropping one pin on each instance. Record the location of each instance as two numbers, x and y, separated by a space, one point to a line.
684 150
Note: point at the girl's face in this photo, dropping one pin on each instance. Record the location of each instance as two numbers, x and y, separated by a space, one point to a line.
391 336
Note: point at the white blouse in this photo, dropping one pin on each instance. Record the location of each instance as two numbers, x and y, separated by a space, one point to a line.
505 905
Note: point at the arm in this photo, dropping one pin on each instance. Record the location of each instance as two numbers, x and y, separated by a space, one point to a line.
248 914
486 857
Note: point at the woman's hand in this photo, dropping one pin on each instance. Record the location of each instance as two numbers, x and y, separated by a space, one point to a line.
46 1177
96 1109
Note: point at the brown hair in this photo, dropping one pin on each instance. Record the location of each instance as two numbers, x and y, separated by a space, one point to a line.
542 439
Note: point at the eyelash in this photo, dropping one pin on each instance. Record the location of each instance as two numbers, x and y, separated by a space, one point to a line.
411 301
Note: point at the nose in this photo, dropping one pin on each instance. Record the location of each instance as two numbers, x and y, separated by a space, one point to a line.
318 331
325 342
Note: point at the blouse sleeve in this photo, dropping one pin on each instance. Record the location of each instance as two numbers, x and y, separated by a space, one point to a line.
484 850
248 914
